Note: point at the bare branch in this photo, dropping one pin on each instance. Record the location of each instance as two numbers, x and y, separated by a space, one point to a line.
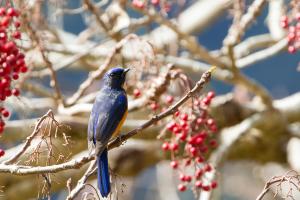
236 31
36 38
99 72
188 41
291 177
29 139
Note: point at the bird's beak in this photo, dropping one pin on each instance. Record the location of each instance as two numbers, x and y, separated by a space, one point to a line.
126 70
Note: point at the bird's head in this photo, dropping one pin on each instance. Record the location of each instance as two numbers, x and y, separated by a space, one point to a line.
115 77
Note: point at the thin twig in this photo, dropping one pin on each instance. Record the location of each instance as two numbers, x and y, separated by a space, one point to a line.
29 139
236 31
37 39
66 62
293 179
82 181
96 12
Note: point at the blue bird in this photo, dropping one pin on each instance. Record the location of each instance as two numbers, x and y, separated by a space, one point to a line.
107 117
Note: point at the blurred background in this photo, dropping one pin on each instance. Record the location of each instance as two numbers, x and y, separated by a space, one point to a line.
260 143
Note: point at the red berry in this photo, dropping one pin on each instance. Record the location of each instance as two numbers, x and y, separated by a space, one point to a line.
210 122
171 125
174 164
165 146
188 178
187 162
2 97
15 76
203 149
21 56
184 117
3 36
5 82
176 130
183 136
8 92
213 143
5 21
2 152
11 59
214 184
5 113
181 187
15 92
169 99
17 35
206 187
284 24
174 146
2 123
9 47
12 12
177 113
199 159
210 95
138 4
2 11
203 134
198 184
207 168
183 124
182 177
154 106
199 173
155 2
20 62
291 37
213 128
23 69
291 49
17 24
200 120
206 101
292 29
199 140
167 7
193 151
136 93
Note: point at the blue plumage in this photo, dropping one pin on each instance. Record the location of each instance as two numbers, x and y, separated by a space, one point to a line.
108 114
103 174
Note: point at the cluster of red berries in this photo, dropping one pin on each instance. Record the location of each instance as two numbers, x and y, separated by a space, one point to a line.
189 137
193 136
292 25
141 4
12 61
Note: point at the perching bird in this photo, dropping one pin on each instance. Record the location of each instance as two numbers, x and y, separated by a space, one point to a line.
108 114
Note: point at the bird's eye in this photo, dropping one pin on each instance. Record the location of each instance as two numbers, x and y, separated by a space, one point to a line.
113 75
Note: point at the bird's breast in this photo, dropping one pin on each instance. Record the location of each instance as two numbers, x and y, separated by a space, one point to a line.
117 131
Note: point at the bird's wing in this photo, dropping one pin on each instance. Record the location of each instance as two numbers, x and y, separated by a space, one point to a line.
107 113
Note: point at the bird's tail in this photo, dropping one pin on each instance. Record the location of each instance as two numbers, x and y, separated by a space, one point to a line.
103 174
